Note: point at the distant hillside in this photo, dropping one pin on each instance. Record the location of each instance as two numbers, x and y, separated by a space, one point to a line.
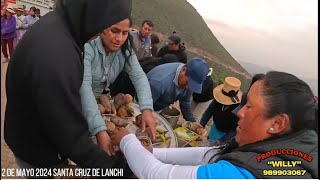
255 69
180 16
220 73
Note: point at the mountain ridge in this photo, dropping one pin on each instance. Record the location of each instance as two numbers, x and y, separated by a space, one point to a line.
180 16
255 68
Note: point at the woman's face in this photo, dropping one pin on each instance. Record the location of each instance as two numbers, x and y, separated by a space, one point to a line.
114 36
18 13
253 126
173 47
8 14
31 12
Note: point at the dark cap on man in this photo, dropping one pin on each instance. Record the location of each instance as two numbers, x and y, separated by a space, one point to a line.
174 39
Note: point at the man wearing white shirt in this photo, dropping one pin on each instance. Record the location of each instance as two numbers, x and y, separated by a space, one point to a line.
19 18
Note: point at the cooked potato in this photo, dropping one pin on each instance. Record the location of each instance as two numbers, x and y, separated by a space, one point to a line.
119 121
122 112
101 108
129 98
106 103
111 127
119 100
138 120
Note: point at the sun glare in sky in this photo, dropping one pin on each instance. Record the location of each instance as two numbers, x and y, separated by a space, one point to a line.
278 34
268 15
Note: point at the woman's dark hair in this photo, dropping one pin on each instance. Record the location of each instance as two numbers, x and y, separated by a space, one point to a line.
257 77
287 94
284 94
34 10
127 47
37 11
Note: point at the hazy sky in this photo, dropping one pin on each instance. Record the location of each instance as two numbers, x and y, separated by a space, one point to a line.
280 34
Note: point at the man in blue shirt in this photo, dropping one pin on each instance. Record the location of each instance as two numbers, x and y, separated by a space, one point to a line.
176 81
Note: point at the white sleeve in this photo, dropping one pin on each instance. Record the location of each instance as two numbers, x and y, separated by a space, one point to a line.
185 156
146 166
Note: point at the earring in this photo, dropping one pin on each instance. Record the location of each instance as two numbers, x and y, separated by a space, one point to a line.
271 129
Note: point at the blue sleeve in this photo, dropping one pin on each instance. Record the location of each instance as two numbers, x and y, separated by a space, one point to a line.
89 104
185 106
156 90
207 114
140 82
149 54
221 170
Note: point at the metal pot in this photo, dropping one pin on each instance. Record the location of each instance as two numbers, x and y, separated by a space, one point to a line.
171 114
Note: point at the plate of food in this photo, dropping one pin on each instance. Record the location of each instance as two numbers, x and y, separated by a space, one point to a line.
195 128
165 137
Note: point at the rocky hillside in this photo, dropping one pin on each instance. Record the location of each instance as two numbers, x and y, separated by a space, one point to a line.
182 17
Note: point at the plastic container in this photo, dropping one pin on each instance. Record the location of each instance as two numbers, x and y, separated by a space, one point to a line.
145 141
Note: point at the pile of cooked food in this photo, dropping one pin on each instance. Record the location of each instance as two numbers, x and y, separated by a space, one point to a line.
119 109
118 113
105 104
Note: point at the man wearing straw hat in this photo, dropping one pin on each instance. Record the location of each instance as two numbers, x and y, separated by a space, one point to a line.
227 97
19 17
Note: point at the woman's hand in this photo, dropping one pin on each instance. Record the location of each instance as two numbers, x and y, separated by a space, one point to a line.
104 142
118 135
148 119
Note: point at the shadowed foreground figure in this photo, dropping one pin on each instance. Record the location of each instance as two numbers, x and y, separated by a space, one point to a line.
44 124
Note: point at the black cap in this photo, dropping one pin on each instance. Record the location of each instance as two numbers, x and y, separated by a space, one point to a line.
174 39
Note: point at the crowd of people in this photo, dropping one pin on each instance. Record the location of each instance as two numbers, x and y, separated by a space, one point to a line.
51 111
14 23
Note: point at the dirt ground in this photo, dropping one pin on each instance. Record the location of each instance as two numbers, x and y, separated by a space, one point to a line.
7 158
